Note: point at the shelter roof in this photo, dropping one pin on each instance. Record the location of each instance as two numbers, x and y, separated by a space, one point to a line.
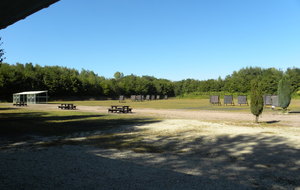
31 92
15 10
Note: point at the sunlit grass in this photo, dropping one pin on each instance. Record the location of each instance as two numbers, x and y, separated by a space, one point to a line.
174 103
16 121
76 128
189 104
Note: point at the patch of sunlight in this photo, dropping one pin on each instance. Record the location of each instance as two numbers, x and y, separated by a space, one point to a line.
241 149
18 144
238 168
77 139
261 166
178 125
183 150
69 120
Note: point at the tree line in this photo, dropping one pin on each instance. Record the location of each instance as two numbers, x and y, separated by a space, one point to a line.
67 82
240 82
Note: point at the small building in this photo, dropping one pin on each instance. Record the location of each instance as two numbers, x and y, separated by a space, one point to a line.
31 97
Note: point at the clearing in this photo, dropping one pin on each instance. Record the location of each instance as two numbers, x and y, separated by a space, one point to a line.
150 149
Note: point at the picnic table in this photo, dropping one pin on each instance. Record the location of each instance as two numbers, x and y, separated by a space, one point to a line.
20 104
120 109
67 106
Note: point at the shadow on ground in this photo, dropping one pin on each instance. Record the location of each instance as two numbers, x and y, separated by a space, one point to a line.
71 167
7 108
40 123
255 162
262 163
273 121
252 161
294 112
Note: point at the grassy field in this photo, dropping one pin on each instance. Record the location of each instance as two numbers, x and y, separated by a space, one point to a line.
102 130
189 104
17 121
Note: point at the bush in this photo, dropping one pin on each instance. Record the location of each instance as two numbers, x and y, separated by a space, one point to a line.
257 101
284 93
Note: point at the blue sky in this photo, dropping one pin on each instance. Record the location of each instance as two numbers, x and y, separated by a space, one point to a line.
172 39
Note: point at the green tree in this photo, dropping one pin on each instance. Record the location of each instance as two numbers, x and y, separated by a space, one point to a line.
257 102
118 75
294 78
284 92
269 80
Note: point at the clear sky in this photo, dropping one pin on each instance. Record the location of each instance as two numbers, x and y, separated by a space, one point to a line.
172 39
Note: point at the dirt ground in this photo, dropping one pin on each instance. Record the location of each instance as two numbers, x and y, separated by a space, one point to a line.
208 150
275 118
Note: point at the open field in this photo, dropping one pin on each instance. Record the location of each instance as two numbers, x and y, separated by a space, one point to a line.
182 147
174 103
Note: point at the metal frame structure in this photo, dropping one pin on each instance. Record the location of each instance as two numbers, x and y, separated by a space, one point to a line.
31 97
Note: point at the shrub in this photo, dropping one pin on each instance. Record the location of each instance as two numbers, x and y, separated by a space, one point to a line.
257 102
284 93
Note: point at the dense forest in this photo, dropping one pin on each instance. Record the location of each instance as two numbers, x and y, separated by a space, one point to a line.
62 82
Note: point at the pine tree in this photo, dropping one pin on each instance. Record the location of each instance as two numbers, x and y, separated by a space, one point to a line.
284 92
257 102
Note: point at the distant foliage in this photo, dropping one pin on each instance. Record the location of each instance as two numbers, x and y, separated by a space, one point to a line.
257 102
294 78
238 82
66 82
118 75
284 92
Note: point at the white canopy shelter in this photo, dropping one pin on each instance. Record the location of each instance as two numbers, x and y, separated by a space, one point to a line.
31 97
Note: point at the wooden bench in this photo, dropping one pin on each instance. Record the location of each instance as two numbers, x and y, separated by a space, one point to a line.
120 109
114 109
127 109
67 107
20 104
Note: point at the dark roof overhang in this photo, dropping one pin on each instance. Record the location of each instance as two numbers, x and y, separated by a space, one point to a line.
15 10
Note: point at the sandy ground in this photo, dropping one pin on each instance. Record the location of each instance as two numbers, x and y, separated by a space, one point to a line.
208 150
292 119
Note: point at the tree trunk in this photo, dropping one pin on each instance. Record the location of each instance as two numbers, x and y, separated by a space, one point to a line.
256 119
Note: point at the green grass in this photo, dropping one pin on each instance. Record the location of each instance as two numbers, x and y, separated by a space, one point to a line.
101 130
174 103
16 121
